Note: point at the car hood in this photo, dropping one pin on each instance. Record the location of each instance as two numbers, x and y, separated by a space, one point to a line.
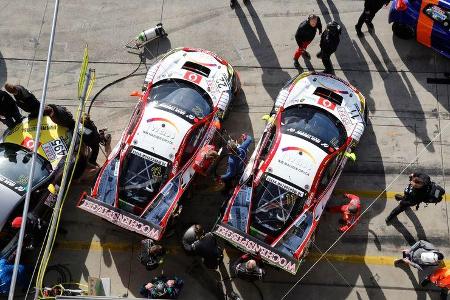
8 202
160 132
296 160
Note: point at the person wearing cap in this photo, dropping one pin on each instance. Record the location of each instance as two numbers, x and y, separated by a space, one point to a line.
416 192
329 42
304 35
421 255
249 268
350 212
441 278
236 161
9 112
371 7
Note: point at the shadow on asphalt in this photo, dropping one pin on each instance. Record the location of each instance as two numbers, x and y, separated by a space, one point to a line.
273 76
400 92
373 164
3 71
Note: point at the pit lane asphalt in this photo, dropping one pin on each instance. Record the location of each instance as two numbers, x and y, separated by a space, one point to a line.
405 113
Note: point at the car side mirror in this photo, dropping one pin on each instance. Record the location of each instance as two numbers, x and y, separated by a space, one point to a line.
16 223
136 94
350 155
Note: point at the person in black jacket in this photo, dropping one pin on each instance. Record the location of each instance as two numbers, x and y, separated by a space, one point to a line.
306 32
416 192
371 7
191 235
328 44
9 113
206 247
24 98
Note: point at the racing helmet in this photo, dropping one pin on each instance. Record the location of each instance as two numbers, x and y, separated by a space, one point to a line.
334 27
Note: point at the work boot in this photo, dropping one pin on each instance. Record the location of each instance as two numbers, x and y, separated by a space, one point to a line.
296 64
359 32
399 197
398 262
306 55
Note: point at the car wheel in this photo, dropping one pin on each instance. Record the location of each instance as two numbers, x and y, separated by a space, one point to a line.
402 31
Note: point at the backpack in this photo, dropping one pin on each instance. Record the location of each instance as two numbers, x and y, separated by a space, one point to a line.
435 195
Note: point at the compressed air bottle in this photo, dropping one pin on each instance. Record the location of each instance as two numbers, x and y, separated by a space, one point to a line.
151 33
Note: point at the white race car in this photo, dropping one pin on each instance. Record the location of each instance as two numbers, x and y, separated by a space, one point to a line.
316 122
187 95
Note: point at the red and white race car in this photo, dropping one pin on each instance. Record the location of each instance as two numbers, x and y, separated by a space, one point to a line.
276 207
187 95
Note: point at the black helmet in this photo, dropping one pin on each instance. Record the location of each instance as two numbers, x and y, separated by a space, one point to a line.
334 26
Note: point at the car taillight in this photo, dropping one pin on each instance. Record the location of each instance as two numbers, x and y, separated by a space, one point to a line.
401 5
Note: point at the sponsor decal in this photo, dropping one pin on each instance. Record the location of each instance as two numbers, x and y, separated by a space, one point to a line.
301 150
285 186
149 157
345 118
50 200
326 103
12 185
178 111
120 218
163 120
55 149
29 143
193 77
222 83
250 244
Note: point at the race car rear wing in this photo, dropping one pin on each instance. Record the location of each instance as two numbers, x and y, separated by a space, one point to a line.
250 244
119 217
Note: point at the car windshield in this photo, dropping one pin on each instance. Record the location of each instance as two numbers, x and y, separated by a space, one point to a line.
192 100
275 205
313 124
141 178
15 164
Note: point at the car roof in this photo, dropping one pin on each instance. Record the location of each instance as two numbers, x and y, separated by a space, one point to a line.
187 64
346 102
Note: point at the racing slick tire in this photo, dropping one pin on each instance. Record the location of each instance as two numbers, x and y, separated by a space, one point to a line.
402 31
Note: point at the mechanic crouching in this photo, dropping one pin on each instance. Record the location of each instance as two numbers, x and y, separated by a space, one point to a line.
350 212
249 268
151 255
236 162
